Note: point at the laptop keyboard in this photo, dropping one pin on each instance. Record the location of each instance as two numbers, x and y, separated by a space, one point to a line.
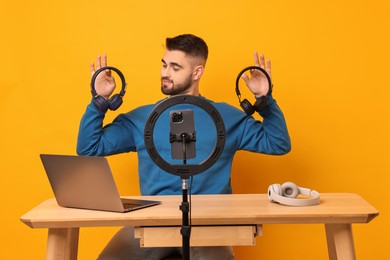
129 205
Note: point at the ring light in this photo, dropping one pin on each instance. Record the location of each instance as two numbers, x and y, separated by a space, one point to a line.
185 170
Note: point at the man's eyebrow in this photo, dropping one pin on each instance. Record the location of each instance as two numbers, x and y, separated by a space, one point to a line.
172 63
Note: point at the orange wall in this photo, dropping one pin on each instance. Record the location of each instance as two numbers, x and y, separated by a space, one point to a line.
330 70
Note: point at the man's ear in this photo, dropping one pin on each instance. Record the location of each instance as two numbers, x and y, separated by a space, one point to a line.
198 72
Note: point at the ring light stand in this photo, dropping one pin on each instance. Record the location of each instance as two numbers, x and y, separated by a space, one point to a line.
185 170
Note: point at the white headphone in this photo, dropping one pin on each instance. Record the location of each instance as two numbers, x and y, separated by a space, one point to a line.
287 192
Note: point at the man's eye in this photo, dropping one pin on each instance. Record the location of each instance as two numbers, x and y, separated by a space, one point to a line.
175 68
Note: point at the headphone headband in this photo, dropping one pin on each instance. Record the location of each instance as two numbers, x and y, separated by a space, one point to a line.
250 68
120 74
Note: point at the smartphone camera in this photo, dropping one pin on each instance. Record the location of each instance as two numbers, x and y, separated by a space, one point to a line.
177 117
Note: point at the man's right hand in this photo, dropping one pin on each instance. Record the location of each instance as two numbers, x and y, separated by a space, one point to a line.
104 83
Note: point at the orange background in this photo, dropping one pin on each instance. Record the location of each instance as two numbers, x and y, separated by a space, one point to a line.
331 77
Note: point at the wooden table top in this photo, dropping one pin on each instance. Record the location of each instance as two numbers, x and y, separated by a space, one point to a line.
234 209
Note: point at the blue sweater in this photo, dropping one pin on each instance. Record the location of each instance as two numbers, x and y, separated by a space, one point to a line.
126 134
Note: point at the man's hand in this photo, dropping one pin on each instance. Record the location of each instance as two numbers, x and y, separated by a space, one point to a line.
257 82
104 83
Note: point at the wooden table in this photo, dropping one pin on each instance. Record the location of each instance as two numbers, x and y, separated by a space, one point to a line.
229 219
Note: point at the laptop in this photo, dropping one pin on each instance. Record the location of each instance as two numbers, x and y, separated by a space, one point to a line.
86 182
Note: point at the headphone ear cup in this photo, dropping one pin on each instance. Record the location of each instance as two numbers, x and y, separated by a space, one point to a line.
260 103
274 190
290 190
247 107
101 104
115 102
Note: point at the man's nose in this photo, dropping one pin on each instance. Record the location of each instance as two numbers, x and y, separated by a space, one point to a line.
165 73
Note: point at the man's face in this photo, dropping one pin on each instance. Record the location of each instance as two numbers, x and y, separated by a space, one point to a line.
176 73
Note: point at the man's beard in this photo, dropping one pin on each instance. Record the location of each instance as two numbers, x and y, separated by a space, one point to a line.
176 89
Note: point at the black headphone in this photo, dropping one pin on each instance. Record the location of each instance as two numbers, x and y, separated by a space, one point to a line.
261 102
116 100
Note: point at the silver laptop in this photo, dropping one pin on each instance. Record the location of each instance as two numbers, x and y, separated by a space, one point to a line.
86 182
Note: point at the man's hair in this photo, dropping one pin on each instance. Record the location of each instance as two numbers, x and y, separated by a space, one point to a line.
189 44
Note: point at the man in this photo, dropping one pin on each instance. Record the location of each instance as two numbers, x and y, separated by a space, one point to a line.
183 65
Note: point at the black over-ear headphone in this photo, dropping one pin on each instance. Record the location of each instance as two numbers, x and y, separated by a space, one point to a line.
116 100
261 102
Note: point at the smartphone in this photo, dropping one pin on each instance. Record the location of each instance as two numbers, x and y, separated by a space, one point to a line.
182 121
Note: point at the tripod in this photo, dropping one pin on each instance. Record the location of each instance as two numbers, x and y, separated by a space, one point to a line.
185 230
185 206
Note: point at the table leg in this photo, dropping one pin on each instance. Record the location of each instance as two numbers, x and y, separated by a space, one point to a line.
340 241
62 244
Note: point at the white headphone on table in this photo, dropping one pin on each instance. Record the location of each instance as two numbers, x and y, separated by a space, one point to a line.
287 193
